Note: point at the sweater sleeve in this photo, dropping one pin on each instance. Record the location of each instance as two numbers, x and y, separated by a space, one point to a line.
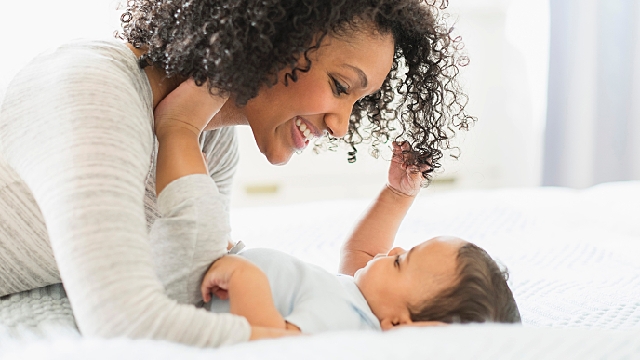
80 136
192 232
221 149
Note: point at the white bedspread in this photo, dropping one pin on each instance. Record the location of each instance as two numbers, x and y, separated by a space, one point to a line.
574 258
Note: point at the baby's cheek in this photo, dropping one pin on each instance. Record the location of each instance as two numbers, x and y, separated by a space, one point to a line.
361 276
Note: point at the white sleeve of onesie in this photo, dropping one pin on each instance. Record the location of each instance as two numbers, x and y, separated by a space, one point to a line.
80 137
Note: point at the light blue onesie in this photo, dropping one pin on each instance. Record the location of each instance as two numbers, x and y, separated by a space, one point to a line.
307 295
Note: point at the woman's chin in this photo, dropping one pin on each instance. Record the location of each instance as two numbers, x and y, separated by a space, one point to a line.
278 158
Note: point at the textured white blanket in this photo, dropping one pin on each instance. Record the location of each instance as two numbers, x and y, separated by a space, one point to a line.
455 342
573 257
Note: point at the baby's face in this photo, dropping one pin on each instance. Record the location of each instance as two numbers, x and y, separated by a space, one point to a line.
400 279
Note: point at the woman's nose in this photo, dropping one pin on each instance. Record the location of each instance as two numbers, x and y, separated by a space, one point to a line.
338 122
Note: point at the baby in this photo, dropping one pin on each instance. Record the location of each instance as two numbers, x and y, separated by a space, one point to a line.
444 279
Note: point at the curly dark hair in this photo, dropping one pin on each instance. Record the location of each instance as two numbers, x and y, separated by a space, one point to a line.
481 294
238 46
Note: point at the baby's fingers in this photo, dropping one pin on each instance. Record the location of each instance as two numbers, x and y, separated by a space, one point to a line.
206 293
220 293
206 288
401 146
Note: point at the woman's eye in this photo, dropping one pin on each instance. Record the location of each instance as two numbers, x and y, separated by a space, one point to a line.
340 89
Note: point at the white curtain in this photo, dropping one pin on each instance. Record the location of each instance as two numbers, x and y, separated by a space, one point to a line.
592 133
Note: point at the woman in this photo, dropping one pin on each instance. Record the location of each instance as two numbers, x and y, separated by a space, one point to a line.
76 131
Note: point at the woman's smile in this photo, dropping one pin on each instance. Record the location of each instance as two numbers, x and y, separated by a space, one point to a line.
300 141
303 132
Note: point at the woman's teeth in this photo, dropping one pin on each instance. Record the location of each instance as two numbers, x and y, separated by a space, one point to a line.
304 130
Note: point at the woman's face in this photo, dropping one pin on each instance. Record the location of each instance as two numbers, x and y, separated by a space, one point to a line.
285 118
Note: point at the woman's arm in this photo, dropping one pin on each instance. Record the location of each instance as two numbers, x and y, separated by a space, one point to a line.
81 138
376 232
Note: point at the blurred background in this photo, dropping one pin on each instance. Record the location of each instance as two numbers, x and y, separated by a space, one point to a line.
552 84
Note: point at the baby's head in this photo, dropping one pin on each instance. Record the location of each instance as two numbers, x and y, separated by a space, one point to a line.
443 279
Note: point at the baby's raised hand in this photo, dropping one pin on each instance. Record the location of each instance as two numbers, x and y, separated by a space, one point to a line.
404 179
188 107
223 273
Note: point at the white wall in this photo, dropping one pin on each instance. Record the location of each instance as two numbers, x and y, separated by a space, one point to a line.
506 82
29 27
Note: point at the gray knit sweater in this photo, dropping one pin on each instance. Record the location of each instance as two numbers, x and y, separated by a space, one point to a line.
77 199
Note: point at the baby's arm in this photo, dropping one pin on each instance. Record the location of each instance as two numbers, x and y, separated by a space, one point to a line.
375 233
247 289
192 230
179 151
194 227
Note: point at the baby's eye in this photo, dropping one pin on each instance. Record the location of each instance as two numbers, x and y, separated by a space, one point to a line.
396 262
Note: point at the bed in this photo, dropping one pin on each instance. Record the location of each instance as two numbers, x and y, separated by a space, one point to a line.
573 256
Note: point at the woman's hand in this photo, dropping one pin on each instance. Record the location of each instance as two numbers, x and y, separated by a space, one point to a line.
187 107
404 179
221 274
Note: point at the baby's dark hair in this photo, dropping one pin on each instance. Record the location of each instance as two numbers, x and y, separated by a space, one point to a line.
239 46
481 294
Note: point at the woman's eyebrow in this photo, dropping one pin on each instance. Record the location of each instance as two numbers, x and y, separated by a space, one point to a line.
363 77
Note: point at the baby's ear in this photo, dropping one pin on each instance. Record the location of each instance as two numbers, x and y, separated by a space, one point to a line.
386 324
424 324
390 323
405 320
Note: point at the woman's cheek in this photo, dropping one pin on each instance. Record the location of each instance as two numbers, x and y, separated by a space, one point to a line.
315 99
